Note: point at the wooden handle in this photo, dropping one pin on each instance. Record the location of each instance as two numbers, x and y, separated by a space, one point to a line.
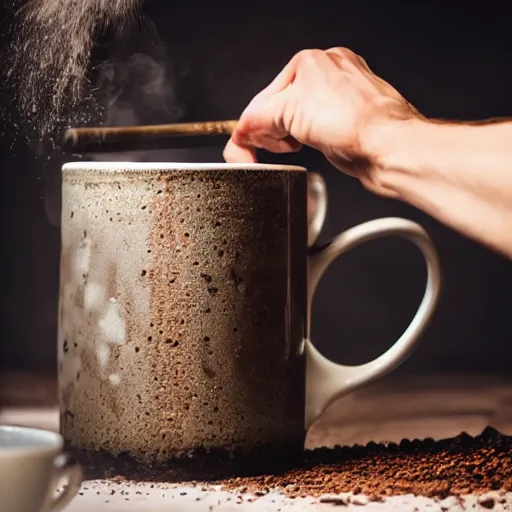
132 138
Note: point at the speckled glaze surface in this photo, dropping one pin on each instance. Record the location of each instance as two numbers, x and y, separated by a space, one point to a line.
182 307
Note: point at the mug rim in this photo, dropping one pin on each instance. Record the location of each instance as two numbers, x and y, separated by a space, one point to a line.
48 442
107 167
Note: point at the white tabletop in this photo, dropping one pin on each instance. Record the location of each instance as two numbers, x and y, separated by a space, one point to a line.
389 411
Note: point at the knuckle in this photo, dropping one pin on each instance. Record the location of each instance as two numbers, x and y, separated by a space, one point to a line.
343 52
242 131
308 55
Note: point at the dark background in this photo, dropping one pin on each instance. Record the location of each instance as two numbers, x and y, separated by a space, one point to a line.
450 59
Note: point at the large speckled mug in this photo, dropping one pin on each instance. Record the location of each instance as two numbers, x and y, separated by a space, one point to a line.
185 295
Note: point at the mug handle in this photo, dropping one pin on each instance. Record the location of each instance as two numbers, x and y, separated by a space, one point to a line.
325 380
316 206
66 468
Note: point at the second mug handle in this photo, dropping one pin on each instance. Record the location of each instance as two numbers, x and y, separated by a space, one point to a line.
326 380
66 468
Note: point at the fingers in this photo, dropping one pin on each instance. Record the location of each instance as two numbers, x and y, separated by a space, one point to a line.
262 123
281 81
261 126
276 111
239 154
236 151
287 76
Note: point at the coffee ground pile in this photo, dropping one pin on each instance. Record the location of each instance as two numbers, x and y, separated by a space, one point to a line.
451 467
457 466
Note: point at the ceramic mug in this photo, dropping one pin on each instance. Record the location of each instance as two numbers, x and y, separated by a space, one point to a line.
31 467
185 295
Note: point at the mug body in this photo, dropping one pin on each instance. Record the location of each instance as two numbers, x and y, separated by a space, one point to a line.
182 307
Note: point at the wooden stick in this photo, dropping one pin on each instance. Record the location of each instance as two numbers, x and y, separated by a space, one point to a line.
136 138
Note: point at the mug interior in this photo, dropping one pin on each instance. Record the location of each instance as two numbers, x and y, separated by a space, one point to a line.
99 166
24 439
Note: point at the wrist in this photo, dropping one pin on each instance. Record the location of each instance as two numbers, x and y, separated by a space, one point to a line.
397 152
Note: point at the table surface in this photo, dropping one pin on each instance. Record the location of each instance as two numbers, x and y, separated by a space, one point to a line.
390 410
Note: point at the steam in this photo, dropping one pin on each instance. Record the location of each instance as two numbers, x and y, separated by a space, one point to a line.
139 88
133 88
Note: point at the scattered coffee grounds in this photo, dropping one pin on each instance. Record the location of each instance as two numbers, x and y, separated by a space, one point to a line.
45 65
457 466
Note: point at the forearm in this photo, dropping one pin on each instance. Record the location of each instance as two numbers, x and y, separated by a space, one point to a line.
459 174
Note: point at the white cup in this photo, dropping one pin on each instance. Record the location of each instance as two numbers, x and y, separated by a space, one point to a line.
32 465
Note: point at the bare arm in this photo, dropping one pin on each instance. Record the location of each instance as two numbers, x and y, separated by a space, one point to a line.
461 174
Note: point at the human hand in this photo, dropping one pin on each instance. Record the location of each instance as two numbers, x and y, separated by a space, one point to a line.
329 100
